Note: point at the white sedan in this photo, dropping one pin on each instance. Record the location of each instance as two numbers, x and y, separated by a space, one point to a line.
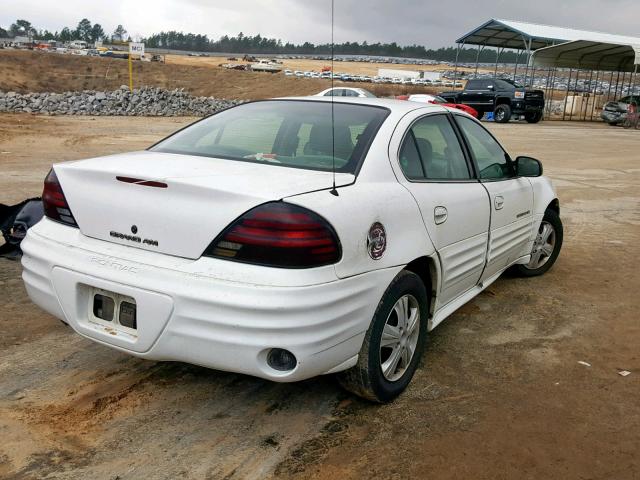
345 92
269 241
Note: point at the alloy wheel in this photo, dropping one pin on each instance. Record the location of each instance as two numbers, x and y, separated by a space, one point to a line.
543 246
399 337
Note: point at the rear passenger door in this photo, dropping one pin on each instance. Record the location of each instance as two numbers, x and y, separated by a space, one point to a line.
453 204
511 197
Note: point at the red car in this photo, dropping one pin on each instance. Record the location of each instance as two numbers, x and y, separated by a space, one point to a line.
426 98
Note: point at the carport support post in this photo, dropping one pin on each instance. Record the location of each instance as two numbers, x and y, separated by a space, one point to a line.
595 96
575 90
615 92
533 75
609 89
547 106
551 90
455 68
480 48
498 52
527 47
566 97
630 80
586 107
515 70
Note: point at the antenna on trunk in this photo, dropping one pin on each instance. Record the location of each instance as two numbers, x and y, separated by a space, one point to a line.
333 190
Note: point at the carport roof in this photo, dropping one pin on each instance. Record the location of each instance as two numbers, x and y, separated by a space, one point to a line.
589 55
514 34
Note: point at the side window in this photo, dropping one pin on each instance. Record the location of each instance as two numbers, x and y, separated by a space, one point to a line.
350 93
431 151
491 159
410 158
505 86
474 85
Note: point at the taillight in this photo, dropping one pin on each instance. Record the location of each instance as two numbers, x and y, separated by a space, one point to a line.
55 204
278 234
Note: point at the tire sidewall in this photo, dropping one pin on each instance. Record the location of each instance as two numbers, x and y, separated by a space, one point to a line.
405 283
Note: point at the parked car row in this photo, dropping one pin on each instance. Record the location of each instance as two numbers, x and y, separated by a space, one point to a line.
347 77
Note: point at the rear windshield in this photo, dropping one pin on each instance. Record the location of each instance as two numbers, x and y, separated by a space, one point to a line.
287 133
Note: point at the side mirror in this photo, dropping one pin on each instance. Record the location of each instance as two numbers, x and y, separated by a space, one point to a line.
528 167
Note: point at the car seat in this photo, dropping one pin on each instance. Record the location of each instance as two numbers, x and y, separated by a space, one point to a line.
321 143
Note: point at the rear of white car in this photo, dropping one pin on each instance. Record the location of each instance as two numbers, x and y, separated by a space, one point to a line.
141 252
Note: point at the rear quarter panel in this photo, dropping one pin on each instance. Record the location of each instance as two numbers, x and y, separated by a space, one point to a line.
359 206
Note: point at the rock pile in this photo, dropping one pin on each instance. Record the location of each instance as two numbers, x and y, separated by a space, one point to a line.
146 101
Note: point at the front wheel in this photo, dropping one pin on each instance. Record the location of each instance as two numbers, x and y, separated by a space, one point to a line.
393 344
546 246
502 113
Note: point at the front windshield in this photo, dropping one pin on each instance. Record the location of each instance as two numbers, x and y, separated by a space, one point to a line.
288 133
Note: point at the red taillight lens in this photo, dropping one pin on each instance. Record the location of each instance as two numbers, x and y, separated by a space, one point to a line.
280 235
55 204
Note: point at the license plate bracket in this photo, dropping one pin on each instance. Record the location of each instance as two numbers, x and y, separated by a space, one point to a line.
113 309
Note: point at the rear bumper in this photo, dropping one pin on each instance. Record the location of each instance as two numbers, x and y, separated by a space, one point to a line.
197 319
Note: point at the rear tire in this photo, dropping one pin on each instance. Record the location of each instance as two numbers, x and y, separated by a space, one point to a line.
533 117
546 247
502 113
390 339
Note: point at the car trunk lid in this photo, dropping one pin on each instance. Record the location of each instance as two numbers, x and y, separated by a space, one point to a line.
175 204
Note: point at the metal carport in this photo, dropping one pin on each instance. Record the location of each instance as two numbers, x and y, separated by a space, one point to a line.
592 56
588 55
564 49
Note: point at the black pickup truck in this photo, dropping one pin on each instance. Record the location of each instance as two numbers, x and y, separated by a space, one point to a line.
502 97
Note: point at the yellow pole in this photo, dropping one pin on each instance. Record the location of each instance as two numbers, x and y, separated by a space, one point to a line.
130 74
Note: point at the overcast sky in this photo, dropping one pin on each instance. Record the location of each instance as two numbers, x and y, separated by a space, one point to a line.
424 22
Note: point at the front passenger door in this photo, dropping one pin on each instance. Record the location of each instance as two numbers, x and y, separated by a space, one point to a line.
511 198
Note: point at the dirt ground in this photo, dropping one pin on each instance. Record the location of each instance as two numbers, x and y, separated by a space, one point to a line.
500 394
26 71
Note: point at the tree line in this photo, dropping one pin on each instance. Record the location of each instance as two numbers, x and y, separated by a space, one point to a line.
85 30
255 44
262 45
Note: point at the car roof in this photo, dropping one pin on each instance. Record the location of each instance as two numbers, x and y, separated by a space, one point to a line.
396 106
355 89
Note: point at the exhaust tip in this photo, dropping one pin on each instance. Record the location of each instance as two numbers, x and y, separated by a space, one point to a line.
281 359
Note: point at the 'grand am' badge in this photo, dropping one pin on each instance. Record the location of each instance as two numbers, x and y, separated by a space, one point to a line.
133 238
376 241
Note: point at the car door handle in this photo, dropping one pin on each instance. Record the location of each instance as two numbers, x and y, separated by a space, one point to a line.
499 202
440 215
